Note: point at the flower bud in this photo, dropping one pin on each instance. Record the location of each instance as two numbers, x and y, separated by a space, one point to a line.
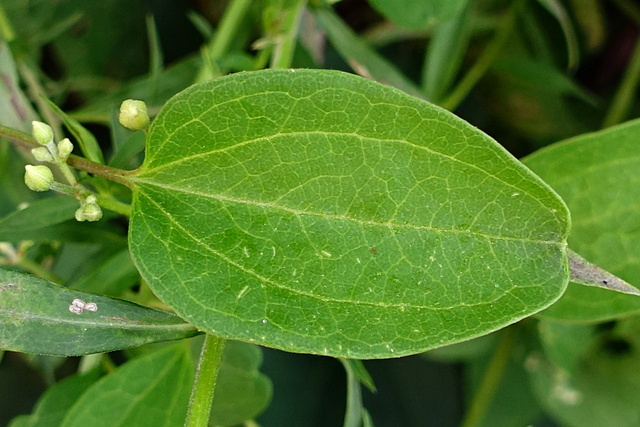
42 132
80 214
89 212
38 178
65 147
92 212
42 154
134 115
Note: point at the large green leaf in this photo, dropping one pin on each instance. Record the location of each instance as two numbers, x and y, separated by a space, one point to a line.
597 175
317 211
35 318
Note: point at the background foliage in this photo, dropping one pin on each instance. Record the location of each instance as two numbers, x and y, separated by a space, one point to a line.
528 73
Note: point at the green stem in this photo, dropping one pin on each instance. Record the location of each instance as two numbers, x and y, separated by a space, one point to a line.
492 376
106 201
112 174
288 34
68 174
484 62
6 30
205 382
25 141
353 413
38 95
20 139
231 21
623 99
109 202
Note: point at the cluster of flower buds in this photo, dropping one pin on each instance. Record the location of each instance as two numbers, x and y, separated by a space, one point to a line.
78 306
40 177
89 209
50 151
133 115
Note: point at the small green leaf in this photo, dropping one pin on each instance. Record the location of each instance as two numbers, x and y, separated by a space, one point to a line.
360 373
418 15
32 219
317 211
597 176
56 401
242 391
354 411
160 383
35 317
445 55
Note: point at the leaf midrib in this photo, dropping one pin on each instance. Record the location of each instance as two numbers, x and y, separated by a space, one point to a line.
36 317
299 213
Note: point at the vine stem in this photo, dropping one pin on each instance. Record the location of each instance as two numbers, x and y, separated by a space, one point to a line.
484 62
25 141
204 383
286 41
492 376
232 20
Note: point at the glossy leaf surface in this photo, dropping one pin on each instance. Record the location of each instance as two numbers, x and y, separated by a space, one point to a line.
35 318
597 176
316 211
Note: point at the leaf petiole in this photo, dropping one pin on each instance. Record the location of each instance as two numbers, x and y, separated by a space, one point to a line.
205 382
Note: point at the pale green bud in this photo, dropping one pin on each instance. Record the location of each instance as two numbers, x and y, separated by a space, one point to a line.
42 132
92 212
65 147
80 214
38 178
89 209
42 154
134 115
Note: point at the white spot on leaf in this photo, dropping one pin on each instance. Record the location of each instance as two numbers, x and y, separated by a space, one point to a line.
78 306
